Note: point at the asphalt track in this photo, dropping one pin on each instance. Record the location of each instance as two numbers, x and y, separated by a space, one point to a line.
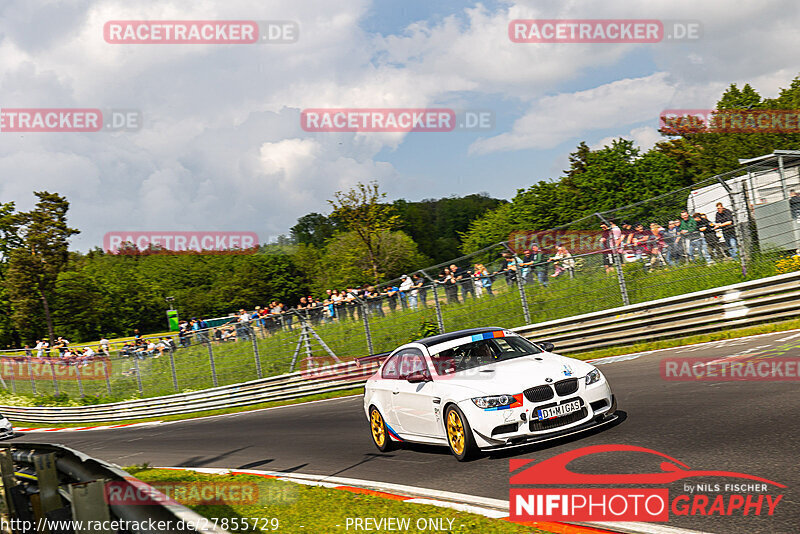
748 427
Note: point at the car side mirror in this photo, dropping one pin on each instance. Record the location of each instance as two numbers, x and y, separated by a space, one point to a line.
546 346
417 377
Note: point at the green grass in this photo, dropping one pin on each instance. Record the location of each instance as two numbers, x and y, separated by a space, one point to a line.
591 290
294 507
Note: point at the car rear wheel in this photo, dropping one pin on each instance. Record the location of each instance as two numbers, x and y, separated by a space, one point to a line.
459 435
380 435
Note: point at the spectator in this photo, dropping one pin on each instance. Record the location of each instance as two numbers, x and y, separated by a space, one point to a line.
463 277
105 346
476 281
510 267
421 289
28 352
710 235
691 238
406 286
527 262
41 348
638 241
654 246
450 283
672 243
724 221
485 278
539 264
562 262
607 246
393 295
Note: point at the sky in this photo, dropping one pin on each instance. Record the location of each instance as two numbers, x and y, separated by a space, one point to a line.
221 146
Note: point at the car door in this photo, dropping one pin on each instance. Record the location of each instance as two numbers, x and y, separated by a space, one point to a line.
384 388
413 402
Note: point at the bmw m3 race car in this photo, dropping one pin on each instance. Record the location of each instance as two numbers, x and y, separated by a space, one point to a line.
483 389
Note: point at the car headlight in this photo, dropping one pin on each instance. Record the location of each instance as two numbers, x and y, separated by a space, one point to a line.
493 401
593 376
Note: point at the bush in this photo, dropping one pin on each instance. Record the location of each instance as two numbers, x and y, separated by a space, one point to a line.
788 265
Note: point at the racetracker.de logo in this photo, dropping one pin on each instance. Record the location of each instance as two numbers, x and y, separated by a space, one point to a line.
683 121
69 120
187 242
69 368
136 493
602 31
750 368
631 504
201 32
395 120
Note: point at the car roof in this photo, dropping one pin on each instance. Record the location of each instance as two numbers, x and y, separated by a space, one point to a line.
442 338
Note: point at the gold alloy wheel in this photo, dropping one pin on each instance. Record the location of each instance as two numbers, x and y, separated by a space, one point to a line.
377 428
455 432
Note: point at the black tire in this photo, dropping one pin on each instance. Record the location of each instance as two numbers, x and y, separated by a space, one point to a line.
378 431
459 434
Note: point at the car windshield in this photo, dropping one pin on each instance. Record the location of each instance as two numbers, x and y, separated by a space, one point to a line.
483 352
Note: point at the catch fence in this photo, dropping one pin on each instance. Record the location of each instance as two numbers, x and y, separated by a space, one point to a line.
669 245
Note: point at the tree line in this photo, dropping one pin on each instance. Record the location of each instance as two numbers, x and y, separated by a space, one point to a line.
47 290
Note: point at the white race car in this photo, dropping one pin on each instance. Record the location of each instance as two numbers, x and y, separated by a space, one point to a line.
483 389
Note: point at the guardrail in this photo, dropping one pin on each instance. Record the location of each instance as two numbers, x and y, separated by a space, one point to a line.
766 299
47 485
763 300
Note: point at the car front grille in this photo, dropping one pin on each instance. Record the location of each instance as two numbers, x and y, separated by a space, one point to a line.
549 424
567 387
539 393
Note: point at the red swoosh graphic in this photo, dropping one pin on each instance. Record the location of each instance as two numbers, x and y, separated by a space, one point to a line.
554 470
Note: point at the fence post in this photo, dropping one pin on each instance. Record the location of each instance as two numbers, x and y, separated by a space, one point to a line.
172 368
13 376
138 375
80 382
520 285
438 307
33 380
623 287
211 360
107 370
743 248
55 382
256 355
365 319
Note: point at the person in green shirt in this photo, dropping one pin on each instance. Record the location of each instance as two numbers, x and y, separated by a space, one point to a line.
691 238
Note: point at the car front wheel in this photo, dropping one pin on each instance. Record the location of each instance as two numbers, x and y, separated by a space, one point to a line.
380 436
459 435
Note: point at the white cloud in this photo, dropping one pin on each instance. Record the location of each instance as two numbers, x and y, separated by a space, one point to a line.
555 119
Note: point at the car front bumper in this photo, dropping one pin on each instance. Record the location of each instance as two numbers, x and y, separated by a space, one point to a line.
496 429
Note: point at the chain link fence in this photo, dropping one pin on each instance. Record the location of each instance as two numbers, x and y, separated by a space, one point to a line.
733 227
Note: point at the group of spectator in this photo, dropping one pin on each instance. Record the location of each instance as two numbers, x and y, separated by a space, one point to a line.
61 353
688 238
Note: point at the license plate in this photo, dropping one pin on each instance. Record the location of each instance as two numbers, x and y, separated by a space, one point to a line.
558 411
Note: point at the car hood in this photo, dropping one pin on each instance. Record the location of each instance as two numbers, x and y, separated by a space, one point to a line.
514 376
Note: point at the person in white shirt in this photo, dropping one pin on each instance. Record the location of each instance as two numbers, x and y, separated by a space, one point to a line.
104 345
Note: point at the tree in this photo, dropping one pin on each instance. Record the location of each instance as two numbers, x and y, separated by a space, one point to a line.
9 240
314 229
33 268
347 264
360 210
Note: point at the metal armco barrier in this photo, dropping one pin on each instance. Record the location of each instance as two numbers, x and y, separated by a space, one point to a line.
50 484
738 305
758 301
277 388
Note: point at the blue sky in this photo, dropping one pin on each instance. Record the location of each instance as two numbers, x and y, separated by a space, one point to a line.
221 147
